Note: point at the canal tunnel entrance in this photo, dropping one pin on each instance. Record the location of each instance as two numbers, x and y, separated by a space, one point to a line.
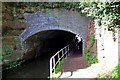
46 43
49 42
40 47
46 33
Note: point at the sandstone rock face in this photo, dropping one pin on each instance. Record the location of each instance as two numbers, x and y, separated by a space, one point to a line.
11 22
8 15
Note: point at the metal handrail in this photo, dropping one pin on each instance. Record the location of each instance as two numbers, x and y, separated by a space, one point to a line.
53 63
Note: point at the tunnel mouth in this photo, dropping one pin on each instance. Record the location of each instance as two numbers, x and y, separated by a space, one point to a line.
47 42
41 47
50 34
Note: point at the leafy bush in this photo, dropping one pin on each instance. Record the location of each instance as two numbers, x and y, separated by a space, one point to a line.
116 72
114 76
94 60
105 13
89 58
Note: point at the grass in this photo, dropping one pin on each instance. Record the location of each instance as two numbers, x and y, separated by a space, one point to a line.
58 69
116 72
114 76
103 77
89 58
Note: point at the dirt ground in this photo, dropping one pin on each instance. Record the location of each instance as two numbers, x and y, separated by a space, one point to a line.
76 61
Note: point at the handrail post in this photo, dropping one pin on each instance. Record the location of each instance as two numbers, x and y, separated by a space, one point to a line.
54 64
59 59
65 53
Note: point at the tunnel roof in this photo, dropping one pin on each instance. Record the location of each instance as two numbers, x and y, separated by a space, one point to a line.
55 19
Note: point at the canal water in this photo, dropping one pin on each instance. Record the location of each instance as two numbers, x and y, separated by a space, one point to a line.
36 68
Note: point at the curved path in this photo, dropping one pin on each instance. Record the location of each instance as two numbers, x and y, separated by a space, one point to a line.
76 67
72 64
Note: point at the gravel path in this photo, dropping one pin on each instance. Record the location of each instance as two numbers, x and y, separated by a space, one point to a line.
72 64
76 67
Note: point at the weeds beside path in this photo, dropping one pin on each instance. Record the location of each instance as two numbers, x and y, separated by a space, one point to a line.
72 64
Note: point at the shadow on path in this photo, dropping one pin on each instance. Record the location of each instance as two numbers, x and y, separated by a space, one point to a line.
73 63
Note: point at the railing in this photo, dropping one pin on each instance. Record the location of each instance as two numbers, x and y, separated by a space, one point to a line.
55 59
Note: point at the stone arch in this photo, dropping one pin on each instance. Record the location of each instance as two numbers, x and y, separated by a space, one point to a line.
41 38
56 19
63 30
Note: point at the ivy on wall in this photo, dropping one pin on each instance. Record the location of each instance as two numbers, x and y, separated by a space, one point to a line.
105 13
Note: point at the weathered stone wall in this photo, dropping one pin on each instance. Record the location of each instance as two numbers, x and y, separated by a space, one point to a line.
107 47
57 19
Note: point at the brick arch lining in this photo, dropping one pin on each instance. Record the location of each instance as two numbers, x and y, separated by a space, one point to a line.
56 19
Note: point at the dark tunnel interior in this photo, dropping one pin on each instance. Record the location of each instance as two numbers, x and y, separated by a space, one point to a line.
42 46
49 42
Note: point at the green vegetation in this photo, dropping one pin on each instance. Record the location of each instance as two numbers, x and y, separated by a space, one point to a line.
103 76
105 13
115 74
92 40
58 69
12 65
7 50
88 56
11 52
1 58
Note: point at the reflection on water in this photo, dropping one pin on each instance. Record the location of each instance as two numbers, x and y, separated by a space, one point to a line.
36 68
